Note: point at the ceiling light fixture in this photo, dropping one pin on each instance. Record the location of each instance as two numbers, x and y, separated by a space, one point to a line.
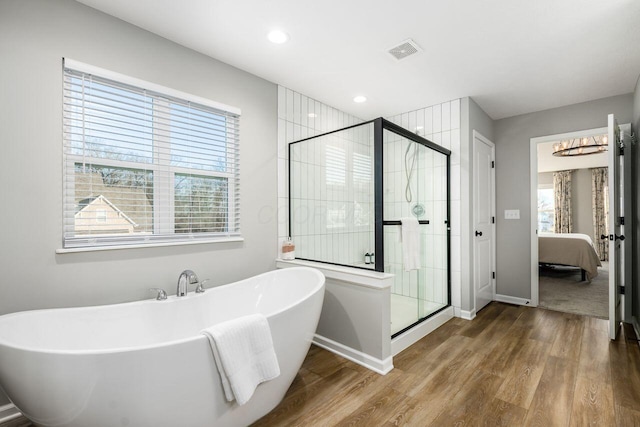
278 37
312 115
360 99
581 146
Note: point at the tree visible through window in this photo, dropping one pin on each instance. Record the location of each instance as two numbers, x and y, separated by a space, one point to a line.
546 210
145 166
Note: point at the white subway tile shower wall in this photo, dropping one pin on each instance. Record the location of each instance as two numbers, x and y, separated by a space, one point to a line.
301 117
332 197
441 125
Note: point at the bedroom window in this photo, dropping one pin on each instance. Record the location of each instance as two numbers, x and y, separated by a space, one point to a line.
145 164
546 210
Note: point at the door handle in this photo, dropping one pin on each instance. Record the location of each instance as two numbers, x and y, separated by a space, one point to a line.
621 237
478 233
603 237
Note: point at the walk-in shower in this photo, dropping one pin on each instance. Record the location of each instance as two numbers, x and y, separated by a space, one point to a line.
349 191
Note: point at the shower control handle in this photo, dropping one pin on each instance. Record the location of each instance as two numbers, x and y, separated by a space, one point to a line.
478 233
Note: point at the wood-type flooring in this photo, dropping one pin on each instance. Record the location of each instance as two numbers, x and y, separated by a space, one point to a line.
510 366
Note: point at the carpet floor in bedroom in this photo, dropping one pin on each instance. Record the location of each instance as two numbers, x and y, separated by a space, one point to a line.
560 289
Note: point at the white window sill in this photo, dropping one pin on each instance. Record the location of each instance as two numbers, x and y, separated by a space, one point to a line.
147 245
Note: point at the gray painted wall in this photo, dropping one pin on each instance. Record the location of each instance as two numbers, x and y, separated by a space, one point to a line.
34 37
512 139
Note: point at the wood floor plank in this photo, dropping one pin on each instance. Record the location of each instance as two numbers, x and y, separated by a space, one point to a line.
501 414
547 326
626 417
375 411
599 324
522 379
568 337
594 355
482 320
474 398
322 362
494 332
345 401
436 391
624 362
296 405
551 405
592 403
304 378
499 360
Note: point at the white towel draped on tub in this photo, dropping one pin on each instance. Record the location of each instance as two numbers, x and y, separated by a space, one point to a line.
244 354
410 243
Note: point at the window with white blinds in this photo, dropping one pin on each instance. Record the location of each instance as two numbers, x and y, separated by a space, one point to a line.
145 164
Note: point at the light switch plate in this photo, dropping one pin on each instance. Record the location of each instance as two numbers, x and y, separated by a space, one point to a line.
512 214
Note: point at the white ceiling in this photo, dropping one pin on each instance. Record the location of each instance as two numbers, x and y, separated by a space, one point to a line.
510 56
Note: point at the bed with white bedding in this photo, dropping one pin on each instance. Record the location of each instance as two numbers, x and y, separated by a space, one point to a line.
569 249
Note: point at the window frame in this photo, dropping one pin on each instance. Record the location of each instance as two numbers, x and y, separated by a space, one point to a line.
545 187
164 173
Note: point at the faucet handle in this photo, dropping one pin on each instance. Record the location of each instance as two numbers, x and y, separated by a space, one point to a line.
200 288
161 293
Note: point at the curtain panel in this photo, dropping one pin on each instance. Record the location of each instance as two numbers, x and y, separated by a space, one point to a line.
600 202
562 194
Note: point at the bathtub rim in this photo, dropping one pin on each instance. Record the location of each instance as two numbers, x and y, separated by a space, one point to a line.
198 336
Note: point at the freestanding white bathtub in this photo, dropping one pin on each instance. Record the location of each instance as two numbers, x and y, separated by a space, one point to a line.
145 363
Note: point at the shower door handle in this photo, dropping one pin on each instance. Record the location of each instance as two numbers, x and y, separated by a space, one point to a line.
478 233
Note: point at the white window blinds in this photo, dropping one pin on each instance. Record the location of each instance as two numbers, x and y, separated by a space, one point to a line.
145 164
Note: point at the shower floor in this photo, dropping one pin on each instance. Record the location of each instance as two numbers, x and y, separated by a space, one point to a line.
406 311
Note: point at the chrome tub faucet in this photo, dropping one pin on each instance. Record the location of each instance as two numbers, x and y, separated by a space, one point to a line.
186 278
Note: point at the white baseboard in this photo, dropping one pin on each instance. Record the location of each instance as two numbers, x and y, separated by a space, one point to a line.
513 300
8 412
468 314
376 365
419 331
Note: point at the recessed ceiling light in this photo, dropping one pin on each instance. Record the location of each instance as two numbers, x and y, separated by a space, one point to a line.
312 115
359 99
278 37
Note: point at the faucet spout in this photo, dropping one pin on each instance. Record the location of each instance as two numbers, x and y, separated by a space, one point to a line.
186 278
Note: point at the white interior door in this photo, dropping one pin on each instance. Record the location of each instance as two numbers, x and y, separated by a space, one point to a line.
626 190
616 238
483 220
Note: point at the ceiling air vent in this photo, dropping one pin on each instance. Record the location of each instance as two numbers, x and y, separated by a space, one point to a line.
404 49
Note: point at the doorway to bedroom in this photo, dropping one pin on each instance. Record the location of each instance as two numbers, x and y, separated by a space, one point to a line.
572 212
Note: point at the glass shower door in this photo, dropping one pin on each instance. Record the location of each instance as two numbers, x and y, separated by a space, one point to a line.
415 180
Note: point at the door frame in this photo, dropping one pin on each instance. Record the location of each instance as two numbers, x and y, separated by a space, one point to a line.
490 143
533 169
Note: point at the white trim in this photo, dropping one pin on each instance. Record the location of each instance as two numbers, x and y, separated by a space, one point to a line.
419 331
9 412
382 367
513 300
357 276
112 75
533 172
148 245
470 314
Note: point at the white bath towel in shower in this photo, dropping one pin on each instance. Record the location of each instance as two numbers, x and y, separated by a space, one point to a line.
410 243
244 355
